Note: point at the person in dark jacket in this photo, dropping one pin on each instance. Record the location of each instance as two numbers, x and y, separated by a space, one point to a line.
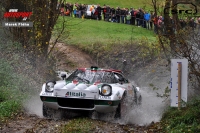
123 12
108 12
137 17
118 13
71 9
104 12
132 21
99 11
141 17
113 15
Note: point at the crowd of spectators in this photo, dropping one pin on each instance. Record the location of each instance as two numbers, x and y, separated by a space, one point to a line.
138 17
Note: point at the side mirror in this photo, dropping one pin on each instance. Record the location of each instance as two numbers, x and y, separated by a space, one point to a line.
63 76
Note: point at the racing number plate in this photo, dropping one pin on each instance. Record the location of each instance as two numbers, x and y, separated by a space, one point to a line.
47 94
104 97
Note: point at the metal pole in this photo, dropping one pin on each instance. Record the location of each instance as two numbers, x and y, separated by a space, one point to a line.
179 85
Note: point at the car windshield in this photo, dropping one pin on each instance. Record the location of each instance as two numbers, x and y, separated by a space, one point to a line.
92 76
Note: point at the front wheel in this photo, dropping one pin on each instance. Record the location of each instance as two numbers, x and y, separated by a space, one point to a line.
122 109
52 113
46 111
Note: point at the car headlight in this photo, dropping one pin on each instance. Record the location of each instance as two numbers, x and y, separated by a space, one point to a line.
50 86
106 90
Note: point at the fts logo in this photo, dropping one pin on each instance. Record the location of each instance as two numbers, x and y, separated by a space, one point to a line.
13 13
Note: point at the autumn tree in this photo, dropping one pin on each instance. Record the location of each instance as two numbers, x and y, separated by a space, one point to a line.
181 41
35 40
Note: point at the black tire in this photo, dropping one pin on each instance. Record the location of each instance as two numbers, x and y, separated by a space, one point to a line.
121 109
45 111
52 113
94 115
118 112
139 101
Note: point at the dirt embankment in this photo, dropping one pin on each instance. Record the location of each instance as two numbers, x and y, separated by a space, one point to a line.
69 58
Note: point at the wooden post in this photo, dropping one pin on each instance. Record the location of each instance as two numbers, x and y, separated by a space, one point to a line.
179 84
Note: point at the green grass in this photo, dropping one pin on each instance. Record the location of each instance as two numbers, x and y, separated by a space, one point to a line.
11 95
184 120
86 31
78 125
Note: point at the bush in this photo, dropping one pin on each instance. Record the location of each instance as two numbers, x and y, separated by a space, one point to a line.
184 120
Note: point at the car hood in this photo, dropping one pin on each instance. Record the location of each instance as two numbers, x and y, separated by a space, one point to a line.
75 89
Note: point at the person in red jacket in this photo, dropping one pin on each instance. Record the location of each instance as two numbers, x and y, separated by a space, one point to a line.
155 22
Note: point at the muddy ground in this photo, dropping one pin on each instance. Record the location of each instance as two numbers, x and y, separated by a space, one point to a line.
142 120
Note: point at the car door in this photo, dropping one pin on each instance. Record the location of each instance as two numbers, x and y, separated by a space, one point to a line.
124 83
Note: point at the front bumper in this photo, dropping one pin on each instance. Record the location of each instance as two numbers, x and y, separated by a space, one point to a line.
102 106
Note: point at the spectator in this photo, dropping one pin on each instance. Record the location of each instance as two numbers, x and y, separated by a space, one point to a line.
66 6
99 11
160 24
71 9
132 21
147 18
58 6
137 17
67 13
151 20
118 12
78 12
126 13
104 12
108 13
113 15
74 10
155 22
122 15
128 18
62 10
141 17
95 12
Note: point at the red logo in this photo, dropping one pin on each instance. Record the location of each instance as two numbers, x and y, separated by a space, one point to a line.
13 13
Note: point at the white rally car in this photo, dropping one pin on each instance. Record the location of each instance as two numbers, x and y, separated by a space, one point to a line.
92 89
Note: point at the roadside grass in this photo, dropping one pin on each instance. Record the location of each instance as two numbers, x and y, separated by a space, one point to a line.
78 125
85 31
10 96
16 85
184 120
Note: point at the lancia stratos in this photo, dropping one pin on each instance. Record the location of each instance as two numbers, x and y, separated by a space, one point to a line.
93 90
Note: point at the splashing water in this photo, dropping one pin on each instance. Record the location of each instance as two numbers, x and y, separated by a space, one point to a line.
151 109
34 106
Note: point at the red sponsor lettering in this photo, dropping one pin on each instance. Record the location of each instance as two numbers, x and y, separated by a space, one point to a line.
6 15
17 14
26 14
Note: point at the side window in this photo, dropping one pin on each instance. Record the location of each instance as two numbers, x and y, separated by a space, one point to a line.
109 78
119 77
